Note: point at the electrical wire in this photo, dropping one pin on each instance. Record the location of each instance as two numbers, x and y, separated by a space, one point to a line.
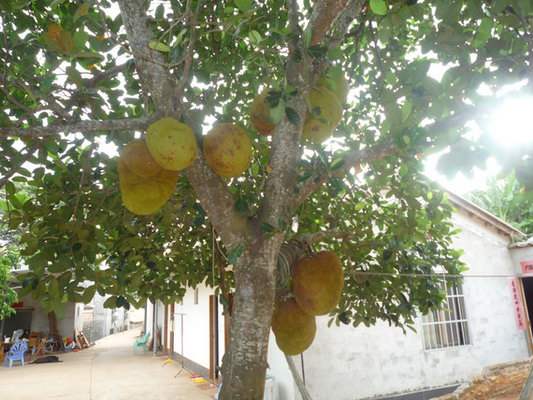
434 275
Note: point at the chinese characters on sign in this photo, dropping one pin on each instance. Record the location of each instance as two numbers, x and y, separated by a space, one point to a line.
517 305
527 267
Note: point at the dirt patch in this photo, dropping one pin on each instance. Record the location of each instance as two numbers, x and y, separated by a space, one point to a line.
499 382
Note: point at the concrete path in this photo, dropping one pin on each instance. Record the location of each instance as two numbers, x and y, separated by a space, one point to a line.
108 371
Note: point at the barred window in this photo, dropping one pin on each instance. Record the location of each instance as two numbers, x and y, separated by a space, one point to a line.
448 326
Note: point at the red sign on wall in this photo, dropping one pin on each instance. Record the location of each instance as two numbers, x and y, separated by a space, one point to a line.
518 306
527 267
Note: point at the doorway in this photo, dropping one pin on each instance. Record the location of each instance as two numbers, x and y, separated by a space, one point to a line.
527 285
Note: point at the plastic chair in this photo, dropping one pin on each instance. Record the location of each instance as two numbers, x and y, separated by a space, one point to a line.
16 352
140 343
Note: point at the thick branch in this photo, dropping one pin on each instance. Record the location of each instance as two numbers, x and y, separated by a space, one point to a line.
193 20
352 159
150 64
156 79
324 14
286 148
218 203
353 10
109 73
82 126
355 158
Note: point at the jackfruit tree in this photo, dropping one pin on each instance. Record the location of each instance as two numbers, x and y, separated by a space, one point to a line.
164 141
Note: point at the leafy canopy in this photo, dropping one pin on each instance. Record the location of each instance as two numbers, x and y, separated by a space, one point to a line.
69 62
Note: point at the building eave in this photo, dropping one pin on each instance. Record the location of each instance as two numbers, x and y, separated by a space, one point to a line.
522 244
485 216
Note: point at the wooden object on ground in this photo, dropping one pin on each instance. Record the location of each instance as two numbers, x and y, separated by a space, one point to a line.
82 341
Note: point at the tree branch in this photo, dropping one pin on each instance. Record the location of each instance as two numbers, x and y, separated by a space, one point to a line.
193 20
150 64
286 148
324 14
352 159
156 79
353 10
109 73
81 126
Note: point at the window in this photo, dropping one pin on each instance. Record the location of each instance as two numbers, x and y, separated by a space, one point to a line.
195 295
448 326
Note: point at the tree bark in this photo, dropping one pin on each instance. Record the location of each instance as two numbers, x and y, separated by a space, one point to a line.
52 323
244 366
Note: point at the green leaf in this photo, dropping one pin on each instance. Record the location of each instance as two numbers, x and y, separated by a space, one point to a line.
483 33
111 302
82 11
378 7
235 253
89 294
292 116
243 5
255 37
158 46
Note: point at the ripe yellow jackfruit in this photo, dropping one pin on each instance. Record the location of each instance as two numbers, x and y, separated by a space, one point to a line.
138 159
317 282
228 150
171 144
325 114
144 196
260 115
294 329
335 80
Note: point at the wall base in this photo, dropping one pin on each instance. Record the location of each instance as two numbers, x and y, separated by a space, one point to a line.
190 365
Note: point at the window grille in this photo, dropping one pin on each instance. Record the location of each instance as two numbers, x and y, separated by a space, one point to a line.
448 326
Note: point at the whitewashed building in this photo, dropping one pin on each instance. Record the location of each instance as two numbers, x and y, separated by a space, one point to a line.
488 323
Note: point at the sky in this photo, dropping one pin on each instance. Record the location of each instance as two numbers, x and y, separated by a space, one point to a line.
511 126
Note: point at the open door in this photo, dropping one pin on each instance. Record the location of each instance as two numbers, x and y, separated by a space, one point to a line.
527 288
213 338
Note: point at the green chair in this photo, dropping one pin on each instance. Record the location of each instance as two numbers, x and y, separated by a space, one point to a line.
141 342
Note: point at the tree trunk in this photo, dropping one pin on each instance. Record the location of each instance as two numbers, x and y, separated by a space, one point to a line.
244 365
52 323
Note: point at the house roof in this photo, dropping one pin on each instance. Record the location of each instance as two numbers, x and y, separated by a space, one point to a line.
482 214
525 243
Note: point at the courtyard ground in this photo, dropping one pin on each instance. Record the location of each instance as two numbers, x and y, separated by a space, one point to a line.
107 371
500 382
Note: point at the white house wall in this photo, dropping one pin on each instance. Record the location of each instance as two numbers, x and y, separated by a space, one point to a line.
521 254
66 323
356 363
196 327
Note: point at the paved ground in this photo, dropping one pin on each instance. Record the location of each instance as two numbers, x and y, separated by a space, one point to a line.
108 371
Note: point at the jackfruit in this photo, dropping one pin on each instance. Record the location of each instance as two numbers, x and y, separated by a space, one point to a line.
144 196
260 115
294 329
335 80
317 282
171 143
228 150
325 114
138 159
